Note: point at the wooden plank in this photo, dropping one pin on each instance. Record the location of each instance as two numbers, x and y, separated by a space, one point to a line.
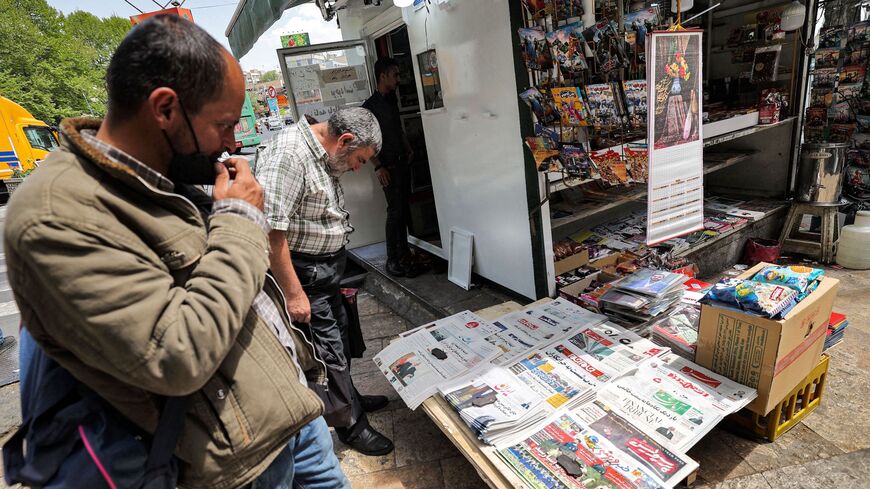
482 457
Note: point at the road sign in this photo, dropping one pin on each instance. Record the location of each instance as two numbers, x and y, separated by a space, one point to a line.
273 105
271 91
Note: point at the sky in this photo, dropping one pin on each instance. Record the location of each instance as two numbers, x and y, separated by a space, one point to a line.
215 15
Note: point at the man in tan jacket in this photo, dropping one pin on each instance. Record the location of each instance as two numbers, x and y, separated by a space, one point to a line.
142 287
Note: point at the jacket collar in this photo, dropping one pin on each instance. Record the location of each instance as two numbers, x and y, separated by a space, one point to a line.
72 139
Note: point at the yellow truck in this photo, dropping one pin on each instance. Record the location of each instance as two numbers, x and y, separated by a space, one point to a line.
24 141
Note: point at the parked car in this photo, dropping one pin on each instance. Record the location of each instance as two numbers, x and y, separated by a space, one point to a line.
274 123
288 120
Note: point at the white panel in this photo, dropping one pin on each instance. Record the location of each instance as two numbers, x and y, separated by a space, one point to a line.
365 201
475 148
461 258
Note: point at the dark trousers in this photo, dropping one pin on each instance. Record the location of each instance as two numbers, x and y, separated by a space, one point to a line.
320 276
398 212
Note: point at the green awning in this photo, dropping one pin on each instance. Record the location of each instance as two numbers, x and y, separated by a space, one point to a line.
251 19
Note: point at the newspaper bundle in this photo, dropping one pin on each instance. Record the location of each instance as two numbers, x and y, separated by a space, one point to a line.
417 364
674 400
593 447
563 374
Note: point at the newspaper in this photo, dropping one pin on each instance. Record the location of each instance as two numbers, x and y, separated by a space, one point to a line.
595 448
565 315
567 372
493 402
674 400
417 364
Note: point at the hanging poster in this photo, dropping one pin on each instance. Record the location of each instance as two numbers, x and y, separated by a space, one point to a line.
676 168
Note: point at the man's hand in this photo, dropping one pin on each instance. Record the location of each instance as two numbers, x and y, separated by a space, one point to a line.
383 176
244 186
299 308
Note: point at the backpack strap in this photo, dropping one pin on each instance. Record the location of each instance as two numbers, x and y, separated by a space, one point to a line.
168 430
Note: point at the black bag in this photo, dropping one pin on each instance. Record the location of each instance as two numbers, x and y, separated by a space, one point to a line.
76 439
354 329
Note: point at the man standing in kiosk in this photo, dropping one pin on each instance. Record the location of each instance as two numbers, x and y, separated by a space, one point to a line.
393 167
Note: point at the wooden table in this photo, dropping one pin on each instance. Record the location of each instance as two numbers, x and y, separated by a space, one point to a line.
492 469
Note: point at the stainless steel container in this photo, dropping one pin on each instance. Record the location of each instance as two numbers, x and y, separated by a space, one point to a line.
820 173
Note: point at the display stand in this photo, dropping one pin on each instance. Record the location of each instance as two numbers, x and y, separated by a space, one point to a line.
492 469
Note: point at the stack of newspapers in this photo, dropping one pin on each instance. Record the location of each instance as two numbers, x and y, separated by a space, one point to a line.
508 403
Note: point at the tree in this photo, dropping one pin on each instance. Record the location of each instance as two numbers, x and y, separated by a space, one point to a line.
269 76
55 65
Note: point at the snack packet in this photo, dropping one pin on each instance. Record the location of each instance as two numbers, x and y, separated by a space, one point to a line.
796 277
768 300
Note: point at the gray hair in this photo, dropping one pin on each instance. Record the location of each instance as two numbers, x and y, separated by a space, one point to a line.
361 123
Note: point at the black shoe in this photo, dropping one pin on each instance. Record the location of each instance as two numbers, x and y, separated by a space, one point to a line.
395 269
368 442
371 404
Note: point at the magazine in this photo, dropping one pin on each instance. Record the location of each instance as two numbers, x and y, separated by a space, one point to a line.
536 53
569 49
577 162
416 364
602 106
674 400
827 58
568 9
635 102
649 282
570 104
648 17
546 154
542 106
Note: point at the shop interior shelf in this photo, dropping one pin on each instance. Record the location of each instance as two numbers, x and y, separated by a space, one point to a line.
775 207
728 136
559 182
713 161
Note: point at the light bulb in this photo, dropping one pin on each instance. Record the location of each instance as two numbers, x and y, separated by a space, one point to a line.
793 17
403 3
684 5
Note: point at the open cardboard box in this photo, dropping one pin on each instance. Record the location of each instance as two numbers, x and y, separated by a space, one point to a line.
773 356
573 262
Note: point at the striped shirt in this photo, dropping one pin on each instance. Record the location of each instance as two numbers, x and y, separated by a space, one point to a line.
265 307
302 197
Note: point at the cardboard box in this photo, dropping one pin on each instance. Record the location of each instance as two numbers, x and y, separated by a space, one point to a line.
573 262
773 356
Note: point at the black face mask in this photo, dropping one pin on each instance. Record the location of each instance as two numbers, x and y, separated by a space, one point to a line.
196 168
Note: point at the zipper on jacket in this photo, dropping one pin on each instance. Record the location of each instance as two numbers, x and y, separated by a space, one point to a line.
294 328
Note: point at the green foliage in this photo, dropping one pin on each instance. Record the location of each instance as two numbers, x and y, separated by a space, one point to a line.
55 65
17 173
269 76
